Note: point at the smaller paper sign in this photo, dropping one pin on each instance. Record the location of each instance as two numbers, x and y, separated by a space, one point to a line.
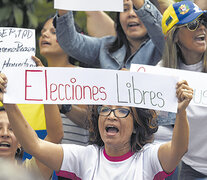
196 80
89 5
90 86
17 45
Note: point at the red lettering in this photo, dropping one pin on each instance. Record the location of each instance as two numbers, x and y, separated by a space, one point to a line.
46 94
52 91
84 92
105 95
76 92
141 68
95 92
30 86
59 86
73 80
67 85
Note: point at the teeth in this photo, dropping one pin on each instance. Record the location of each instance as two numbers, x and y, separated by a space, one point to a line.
201 36
133 24
5 144
45 43
110 127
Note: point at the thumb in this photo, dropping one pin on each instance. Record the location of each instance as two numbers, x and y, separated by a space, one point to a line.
37 61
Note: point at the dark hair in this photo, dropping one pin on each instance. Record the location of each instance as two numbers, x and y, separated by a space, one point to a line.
145 125
121 38
79 30
156 4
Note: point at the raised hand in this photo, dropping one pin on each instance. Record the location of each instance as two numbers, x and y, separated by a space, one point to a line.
62 12
184 94
37 61
137 3
3 84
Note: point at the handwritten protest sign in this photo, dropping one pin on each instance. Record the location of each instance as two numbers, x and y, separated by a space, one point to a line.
17 45
90 86
196 80
89 5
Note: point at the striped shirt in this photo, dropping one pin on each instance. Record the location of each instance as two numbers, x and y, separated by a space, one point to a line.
73 134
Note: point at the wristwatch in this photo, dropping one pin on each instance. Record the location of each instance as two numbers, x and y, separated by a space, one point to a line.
65 108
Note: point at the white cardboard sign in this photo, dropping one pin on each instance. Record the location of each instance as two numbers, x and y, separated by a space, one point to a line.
17 45
196 80
90 86
89 5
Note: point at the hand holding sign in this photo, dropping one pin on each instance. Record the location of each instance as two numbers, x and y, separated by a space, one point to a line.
137 3
37 61
62 12
184 95
3 84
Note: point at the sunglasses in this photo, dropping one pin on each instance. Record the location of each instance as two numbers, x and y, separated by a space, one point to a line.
193 25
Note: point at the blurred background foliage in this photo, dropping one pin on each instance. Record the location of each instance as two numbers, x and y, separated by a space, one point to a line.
32 14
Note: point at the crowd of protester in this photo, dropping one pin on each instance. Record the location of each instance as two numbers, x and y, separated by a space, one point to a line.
91 141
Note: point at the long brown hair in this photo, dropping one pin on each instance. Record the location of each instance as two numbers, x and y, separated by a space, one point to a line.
145 126
172 51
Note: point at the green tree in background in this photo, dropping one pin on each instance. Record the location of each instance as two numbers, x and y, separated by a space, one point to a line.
18 13
32 13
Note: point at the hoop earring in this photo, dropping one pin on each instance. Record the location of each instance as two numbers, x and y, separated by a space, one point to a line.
18 151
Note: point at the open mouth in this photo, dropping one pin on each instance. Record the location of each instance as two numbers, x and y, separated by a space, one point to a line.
112 129
133 24
200 38
4 144
45 43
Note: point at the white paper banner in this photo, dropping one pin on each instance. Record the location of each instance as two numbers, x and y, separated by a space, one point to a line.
17 45
89 5
196 80
90 86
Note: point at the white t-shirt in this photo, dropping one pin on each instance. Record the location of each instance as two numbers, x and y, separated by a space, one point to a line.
197 116
92 163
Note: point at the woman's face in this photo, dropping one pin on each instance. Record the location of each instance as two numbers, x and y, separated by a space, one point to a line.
48 42
131 24
8 141
192 41
115 131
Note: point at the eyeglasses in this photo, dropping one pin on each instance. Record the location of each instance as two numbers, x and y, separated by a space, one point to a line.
192 26
118 112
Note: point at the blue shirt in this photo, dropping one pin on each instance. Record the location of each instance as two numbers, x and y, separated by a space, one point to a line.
94 51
